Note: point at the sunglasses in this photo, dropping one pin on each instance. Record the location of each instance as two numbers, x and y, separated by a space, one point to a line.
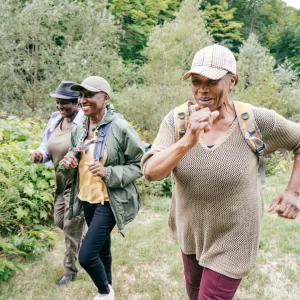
86 95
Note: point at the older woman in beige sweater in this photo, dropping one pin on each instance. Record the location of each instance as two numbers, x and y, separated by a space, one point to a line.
217 208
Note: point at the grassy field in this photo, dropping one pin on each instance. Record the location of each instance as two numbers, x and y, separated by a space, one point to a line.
147 264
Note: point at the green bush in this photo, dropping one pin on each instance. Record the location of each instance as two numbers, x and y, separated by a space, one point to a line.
8 268
34 241
278 162
26 189
13 250
26 194
161 188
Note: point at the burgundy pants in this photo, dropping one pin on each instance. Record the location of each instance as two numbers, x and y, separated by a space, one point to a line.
206 284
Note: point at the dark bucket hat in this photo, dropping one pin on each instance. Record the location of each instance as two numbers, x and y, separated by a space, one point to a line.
63 91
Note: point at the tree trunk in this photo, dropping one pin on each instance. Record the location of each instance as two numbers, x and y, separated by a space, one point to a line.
35 58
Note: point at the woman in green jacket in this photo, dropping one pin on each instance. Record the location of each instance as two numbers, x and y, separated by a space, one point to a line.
104 158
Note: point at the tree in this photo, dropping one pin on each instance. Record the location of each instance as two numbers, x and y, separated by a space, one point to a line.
274 23
289 89
29 53
222 26
138 19
92 46
256 79
50 40
287 44
260 83
169 54
171 48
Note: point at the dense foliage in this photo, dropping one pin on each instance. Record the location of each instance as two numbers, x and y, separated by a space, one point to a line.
26 197
17 247
143 48
26 193
138 19
169 53
222 25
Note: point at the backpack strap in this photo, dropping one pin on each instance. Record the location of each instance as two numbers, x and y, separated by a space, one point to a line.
101 139
251 133
181 119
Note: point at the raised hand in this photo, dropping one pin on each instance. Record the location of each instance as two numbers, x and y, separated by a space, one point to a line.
200 121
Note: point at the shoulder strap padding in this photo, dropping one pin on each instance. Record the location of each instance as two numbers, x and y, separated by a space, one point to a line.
181 114
251 133
102 137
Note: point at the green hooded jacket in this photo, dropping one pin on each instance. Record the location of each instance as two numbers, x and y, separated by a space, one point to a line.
124 153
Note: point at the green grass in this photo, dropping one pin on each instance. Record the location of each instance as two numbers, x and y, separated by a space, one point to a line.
147 263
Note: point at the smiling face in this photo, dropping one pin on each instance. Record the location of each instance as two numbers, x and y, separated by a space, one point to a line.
93 104
212 93
67 108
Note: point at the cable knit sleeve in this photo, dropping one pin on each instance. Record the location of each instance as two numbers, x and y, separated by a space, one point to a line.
277 132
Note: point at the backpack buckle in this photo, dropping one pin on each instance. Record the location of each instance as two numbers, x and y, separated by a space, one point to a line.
251 131
245 116
181 115
260 149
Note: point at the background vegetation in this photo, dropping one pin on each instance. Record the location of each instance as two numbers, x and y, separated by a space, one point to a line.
26 195
142 48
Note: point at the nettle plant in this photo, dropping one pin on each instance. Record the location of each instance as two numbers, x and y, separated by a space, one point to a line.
26 195
26 189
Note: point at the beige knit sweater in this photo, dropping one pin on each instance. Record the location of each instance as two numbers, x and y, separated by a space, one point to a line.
217 208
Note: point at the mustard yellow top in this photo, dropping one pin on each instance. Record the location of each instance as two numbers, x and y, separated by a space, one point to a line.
91 188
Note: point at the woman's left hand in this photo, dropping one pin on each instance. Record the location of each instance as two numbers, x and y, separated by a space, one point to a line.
286 205
97 169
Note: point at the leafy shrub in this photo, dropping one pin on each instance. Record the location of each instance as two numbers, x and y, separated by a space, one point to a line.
34 241
161 188
26 243
8 268
26 196
278 162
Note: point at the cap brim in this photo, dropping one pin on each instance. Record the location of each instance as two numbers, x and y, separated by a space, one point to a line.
58 96
208 72
79 87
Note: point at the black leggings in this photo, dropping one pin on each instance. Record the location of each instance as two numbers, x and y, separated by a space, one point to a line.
95 252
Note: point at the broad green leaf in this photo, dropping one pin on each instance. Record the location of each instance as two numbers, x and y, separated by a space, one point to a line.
29 190
43 215
21 212
42 184
47 174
